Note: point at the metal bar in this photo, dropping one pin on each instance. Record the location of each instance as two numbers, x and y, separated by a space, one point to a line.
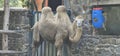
50 49
40 50
37 53
101 36
54 51
15 9
12 31
10 52
47 47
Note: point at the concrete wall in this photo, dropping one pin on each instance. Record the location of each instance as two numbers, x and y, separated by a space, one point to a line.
112 16
104 2
111 13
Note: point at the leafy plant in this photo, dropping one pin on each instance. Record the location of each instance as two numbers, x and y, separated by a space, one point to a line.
14 3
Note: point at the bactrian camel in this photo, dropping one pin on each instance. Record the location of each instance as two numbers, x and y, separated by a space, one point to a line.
56 29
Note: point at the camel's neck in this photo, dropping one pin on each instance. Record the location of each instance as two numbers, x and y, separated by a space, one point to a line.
77 33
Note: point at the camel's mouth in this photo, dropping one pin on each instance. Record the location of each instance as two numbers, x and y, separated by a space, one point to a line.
79 22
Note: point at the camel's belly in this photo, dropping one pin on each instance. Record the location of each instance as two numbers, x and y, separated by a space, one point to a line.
48 32
47 35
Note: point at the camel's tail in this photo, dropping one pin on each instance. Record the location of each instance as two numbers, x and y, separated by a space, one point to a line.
35 29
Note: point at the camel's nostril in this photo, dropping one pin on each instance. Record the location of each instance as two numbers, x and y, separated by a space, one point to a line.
79 24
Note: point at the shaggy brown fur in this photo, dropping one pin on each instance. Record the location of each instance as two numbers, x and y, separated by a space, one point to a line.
55 29
44 28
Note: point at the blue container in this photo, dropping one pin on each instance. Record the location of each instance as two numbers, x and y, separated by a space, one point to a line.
97 18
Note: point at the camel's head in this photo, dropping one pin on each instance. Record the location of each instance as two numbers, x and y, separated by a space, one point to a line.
79 21
46 10
61 8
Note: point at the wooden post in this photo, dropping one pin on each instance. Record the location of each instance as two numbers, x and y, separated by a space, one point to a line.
5 25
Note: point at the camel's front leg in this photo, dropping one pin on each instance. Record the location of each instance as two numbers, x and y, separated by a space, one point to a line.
58 44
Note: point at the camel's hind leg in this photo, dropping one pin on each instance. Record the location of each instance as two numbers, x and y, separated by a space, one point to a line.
36 38
35 46
58 44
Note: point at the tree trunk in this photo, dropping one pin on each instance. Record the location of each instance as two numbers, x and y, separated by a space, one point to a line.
5 25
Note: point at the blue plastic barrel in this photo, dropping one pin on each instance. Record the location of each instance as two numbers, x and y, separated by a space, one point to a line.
97 18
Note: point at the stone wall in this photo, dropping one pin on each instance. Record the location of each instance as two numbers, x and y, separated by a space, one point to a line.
18 21
98 46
